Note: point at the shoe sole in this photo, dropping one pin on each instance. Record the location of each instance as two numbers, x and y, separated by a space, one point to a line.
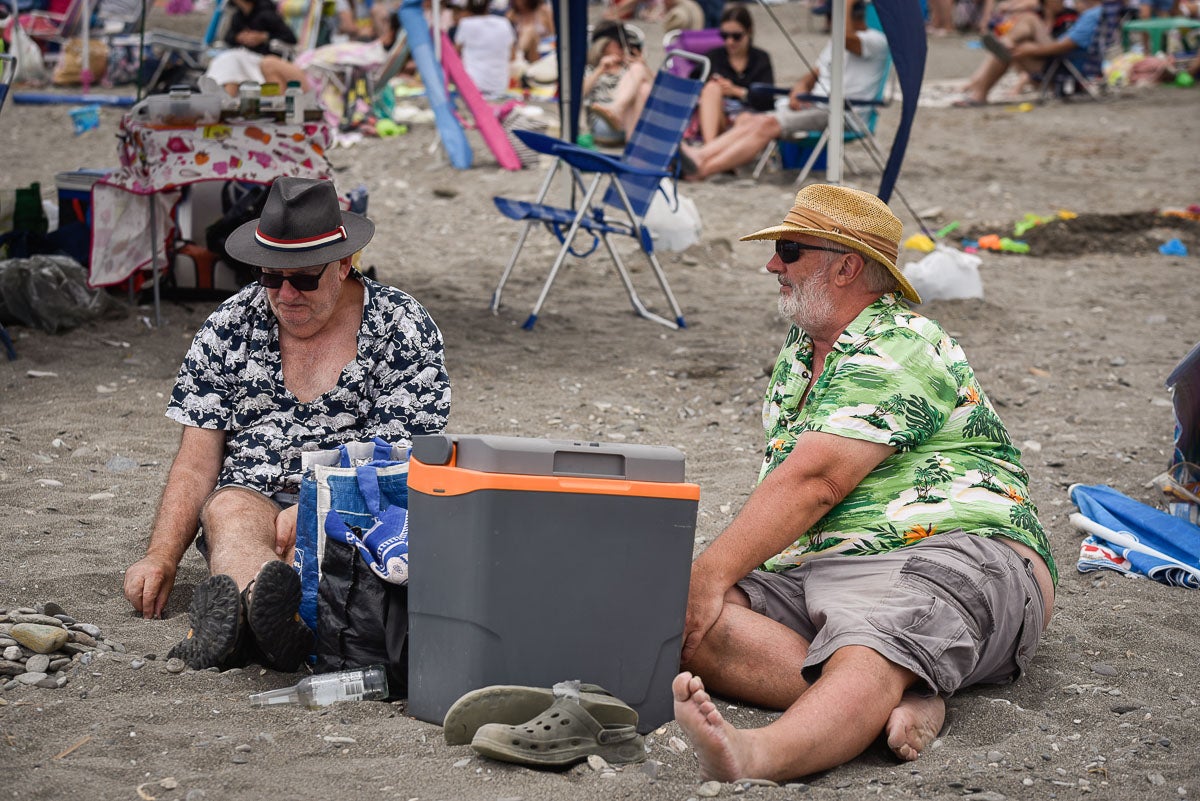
273 613
513 704
215 615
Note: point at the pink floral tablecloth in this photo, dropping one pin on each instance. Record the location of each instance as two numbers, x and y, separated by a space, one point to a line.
156 162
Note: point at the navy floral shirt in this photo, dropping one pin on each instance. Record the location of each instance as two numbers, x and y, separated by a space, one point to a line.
232 380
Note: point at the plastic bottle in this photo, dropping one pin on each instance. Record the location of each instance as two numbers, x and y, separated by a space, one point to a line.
323 689
250 95
293 105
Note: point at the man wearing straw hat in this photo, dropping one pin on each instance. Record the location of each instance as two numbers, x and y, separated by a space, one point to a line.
312 355
890 554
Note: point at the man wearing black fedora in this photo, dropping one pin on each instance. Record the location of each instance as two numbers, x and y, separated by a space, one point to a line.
311 355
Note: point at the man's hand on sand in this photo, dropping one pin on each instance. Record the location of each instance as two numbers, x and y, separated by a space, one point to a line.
148 584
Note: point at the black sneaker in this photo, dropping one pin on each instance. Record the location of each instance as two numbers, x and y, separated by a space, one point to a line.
217 625
272 604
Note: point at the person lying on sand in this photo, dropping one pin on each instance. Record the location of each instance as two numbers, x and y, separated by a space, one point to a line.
901 556
312 355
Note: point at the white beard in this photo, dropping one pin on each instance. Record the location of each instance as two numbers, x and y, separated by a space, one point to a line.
810 304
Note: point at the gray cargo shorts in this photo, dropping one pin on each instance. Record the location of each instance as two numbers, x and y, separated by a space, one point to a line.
956 609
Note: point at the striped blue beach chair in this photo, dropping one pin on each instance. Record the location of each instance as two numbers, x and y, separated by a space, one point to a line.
633 179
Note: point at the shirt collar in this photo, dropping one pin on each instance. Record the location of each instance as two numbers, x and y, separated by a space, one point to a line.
858 332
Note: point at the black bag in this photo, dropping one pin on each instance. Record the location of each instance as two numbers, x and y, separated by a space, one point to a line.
242 203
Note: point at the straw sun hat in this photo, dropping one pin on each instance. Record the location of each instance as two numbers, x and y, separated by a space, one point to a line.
858 220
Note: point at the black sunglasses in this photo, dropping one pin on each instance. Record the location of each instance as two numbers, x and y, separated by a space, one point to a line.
732 36
301 282
789 251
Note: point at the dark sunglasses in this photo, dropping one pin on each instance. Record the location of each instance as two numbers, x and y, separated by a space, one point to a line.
302 282
732 36
789 251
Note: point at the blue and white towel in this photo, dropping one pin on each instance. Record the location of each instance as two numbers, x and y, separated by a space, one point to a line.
1132 538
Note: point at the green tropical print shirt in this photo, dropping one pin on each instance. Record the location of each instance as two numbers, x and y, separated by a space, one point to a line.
897 378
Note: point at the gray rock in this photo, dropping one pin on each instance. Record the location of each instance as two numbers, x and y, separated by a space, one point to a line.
651 768
40 638
53 609
137 664
1157 779
59 681
239 759
31 678
116 646
38 663
175 666
58 664
12 653
48 683
7 642
709 790
1102 669
44 620
82 638
87 628
67 620
11 668
597 762
994 756
120 464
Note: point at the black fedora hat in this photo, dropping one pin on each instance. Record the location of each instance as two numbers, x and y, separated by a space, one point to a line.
301 225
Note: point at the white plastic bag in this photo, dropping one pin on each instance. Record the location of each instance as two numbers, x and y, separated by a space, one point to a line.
31 69
946 274
673 220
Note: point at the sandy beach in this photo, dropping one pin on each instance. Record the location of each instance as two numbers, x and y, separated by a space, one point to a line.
1072 342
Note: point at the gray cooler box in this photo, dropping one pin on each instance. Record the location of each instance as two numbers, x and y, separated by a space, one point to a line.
534 561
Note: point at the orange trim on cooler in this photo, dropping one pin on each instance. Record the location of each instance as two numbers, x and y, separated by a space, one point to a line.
449 480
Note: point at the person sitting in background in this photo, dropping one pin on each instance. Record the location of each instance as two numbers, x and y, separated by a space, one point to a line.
733 67
616 84
682 15
534 21
648 10
349 24
487 44
1028 46
256 33
866 62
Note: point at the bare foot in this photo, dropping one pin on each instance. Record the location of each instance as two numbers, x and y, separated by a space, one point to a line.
715 741
913 724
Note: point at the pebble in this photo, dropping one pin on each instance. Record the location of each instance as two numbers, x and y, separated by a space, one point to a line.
137 664
44 620
994 756
169 783
239 759
38 663
52 609
677 745
597 762
82 637
1104 670
88 629
36 637
120 464
986 795
1157 779
462 763
11 668
651 768
709 790
329 738
175 665
31 678
48 482
58 664
12 653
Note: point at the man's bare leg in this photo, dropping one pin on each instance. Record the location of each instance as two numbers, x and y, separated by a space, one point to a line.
750 657
831 723
239 528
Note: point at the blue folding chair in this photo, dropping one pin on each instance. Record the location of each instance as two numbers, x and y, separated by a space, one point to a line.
633 180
